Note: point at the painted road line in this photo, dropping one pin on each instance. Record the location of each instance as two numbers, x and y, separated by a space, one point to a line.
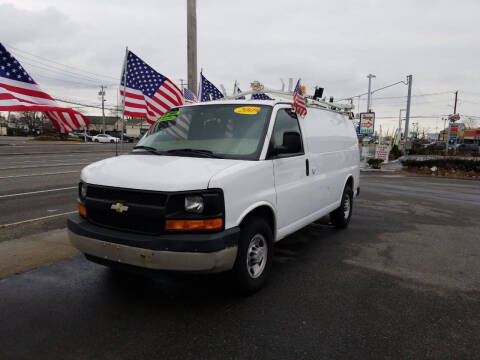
38 192
40 166
36 219
41 174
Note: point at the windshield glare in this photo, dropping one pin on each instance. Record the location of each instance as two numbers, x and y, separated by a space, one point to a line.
230 131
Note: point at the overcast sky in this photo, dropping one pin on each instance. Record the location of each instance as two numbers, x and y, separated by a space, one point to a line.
334 44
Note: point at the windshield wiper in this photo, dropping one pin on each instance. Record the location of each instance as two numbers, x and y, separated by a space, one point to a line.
201 152
150 149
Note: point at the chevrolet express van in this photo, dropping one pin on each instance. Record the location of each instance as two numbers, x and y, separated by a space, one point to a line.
212 186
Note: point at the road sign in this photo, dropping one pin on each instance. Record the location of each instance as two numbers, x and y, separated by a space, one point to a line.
367 122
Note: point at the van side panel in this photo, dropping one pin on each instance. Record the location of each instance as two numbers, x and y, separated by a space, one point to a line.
333 154
246 185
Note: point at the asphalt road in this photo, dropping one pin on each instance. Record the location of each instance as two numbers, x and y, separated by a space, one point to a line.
403 281
38 180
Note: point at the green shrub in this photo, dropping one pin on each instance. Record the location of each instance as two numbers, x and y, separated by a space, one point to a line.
395 153
374 163
446 164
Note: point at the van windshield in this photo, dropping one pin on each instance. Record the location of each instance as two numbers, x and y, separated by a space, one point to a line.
221 130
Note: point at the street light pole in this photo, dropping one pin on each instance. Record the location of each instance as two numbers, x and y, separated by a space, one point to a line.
369 96
407 115
192 44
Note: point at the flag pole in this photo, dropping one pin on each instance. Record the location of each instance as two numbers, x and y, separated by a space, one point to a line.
200 86
124 92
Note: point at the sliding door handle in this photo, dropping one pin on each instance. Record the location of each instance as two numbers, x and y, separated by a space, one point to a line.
307 167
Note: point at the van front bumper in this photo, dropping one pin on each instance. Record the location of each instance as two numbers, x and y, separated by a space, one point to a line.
200 252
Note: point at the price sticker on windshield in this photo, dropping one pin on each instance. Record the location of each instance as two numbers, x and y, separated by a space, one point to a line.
169 116
249 110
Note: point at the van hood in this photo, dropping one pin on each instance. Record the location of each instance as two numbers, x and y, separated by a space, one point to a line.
155 172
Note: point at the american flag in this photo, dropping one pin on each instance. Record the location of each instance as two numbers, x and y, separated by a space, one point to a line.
208 91
189 96
299 101
19 92
148 94
261 97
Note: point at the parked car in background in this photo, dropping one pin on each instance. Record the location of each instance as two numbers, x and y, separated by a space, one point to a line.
104 138
126 138
80 135
467 147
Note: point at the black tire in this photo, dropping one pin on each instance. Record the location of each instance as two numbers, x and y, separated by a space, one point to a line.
253 230
339 217
112 141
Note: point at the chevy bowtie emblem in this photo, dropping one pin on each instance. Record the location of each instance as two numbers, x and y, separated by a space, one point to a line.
119 207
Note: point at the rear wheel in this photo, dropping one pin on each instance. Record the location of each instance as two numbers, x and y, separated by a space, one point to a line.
112 141
254 257
340 217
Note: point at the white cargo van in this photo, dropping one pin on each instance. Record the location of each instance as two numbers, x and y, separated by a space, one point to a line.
212 186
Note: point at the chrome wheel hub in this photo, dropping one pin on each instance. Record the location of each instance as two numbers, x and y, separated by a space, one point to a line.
257 253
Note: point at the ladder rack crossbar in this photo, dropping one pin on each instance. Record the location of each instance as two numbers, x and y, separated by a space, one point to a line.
289 96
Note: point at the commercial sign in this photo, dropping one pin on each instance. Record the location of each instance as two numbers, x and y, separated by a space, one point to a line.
367 121
381 152
453 132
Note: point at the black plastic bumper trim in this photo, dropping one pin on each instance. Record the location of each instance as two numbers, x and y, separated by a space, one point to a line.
195 242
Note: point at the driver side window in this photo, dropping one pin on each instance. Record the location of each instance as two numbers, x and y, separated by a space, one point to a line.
286 137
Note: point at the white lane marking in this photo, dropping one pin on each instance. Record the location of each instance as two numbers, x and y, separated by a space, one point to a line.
41 174
38 192
37 219
40 166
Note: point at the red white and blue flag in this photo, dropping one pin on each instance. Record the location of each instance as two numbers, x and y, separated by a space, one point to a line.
19 92
299 101
189 96
148 94
261 97
208 91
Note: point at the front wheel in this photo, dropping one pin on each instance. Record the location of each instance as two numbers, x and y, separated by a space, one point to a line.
340 217
254 257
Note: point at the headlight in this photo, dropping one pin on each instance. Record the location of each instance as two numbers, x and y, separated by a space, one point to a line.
83 191
194 204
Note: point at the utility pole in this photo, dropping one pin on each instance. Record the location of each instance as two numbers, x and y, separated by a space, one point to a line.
447 142
369 98
407 115
455 106
192 44
102 94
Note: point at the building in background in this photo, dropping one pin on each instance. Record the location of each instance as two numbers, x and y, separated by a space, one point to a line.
471 136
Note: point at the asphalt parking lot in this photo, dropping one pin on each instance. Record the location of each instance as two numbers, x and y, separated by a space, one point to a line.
403 281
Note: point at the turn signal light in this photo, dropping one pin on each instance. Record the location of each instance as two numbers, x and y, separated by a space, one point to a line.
82 210
207 224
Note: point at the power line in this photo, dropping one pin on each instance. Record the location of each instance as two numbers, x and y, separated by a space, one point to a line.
58 63
84 105
374 91
59 72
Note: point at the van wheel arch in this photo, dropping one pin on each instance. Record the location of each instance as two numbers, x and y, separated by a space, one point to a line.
265 212
350 182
